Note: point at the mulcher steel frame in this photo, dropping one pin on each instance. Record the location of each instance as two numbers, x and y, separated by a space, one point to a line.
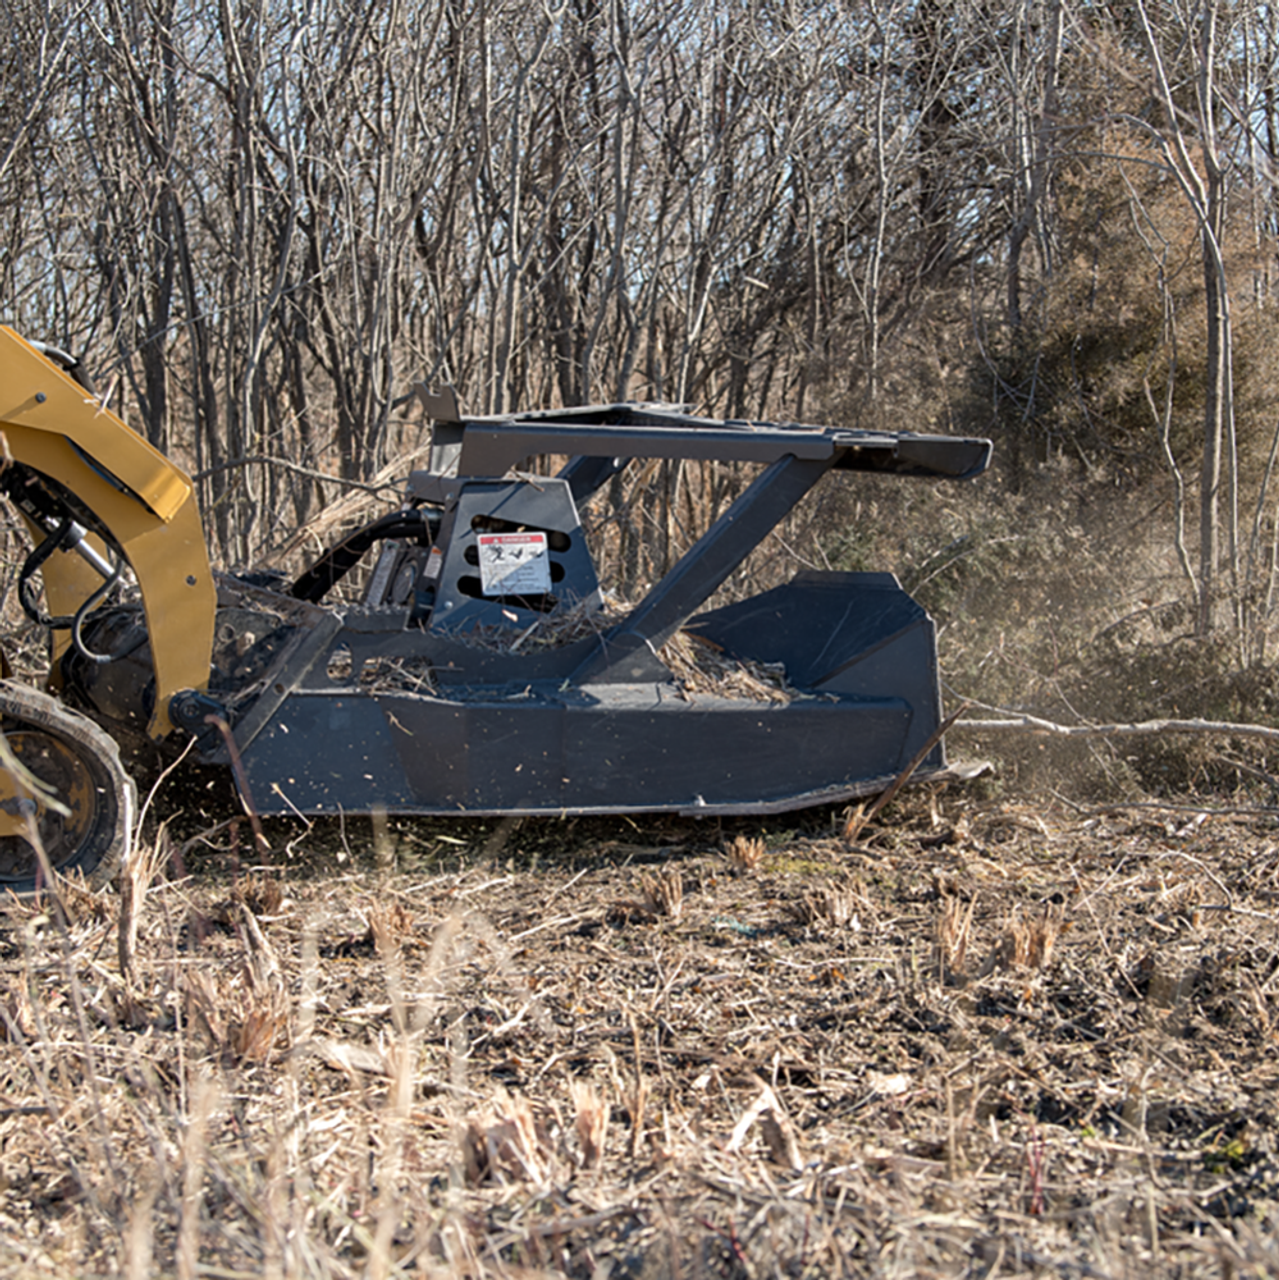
599 725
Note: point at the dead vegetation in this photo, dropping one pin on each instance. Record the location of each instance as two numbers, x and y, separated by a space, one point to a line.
1044 1045
698 665
745 853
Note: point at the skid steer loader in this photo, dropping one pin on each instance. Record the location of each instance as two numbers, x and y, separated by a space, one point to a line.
483 668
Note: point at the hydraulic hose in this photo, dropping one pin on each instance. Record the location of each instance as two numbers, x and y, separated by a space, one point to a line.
30 566
339 560
64 536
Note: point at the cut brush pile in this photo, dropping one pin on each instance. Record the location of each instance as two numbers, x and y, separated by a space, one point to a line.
698 665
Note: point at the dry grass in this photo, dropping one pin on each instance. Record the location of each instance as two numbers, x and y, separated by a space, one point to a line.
954 933
835 904
664 892
474 1070
1026 944
745 854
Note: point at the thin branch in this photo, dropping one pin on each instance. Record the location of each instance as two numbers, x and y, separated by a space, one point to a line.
267 461
1034 724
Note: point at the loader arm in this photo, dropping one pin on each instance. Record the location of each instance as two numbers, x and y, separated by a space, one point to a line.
145 507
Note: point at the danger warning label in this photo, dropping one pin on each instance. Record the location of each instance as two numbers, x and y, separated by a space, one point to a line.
514 564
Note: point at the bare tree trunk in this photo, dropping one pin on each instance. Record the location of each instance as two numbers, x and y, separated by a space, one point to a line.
1034 142
1206 195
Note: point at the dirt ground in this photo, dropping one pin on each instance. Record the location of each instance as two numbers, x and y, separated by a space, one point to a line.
986 1038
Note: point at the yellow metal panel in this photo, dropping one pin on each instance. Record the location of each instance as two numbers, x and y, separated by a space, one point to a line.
35 393
167 554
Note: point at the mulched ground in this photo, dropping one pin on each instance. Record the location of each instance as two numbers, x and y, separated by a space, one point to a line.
987 1039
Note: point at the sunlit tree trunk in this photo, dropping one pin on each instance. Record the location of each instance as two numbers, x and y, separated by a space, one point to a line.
1206 194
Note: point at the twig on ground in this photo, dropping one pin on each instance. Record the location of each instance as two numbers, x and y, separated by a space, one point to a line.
857 823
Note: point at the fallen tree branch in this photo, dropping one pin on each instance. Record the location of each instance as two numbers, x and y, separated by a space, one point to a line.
1033 724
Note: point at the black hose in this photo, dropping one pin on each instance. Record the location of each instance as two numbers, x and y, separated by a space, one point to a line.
77 623
339 560
73 622
30 566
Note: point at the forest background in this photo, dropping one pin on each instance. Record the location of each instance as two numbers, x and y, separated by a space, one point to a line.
1050 222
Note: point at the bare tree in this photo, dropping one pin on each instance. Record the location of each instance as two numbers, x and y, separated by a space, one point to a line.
1206 194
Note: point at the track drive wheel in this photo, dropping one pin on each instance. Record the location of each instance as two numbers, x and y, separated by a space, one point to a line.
79 766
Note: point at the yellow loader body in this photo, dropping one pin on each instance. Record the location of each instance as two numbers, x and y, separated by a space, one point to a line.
142 500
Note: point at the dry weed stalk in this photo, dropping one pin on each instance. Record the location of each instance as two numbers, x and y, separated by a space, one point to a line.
838 904
255 1033
79 902
263 963
193 1157
590 1121
139 1237
17 1017
854 820
1181 898
637 1099
781 1139
1254 1004
954 933
860 818
138 872
745 854
505 1142
633 1095
775 1126
240 1021
261 895
664 892
1025 944
390 923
